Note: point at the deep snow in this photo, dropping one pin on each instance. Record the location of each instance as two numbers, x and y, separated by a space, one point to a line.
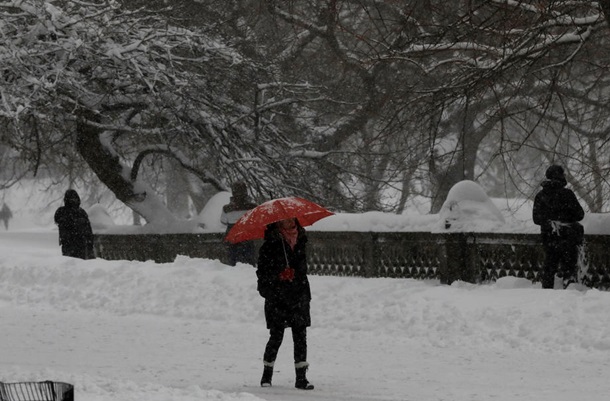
194 329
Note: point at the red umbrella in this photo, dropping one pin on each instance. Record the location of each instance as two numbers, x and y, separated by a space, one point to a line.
252 224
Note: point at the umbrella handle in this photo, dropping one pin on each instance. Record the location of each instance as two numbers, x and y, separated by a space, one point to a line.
285 255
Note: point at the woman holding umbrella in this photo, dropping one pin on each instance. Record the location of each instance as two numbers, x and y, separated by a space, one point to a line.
282 281
282 274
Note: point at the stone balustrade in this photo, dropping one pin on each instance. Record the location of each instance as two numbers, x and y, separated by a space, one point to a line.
471 257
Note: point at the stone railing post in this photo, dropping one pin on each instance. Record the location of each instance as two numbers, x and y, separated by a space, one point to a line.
459 259
370 253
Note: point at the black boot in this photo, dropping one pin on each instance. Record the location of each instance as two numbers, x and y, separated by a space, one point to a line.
267 375
301 382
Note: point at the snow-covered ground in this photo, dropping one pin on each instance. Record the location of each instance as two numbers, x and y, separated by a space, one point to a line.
194 329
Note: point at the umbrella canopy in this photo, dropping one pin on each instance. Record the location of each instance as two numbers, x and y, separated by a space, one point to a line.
252 224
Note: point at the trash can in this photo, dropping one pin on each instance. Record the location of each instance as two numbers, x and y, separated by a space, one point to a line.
36 391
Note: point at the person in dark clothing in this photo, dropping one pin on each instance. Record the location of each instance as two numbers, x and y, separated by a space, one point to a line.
75 234
240 203
283 282
557 212
5 215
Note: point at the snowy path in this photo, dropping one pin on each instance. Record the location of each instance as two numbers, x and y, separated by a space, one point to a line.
182 353
193 330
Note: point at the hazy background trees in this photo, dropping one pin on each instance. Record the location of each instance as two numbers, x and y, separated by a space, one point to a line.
424 94
358 104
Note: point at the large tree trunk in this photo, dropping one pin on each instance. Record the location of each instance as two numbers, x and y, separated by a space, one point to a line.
116 176
102 161
461 167
443 181
177 189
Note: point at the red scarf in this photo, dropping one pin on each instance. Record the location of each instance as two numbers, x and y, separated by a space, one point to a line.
290 235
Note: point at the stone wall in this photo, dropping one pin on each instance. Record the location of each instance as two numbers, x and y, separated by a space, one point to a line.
471 257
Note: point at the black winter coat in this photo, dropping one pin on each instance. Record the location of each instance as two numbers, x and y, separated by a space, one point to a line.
557 203
286 302
75 233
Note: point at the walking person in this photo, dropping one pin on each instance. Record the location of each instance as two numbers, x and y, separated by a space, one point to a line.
239 204
75 233
557 212
283 282
5 215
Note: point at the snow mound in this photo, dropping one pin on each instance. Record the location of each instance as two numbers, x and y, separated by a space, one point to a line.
511 282
99 217
468 207
209 218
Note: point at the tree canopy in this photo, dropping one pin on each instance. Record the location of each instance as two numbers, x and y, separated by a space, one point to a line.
117 85
342 102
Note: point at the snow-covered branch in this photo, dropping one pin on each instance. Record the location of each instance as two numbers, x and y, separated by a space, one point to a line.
176 154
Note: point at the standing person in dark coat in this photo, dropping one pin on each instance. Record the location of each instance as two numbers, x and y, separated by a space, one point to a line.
557 212
282 281
75 234
239 204
5 215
